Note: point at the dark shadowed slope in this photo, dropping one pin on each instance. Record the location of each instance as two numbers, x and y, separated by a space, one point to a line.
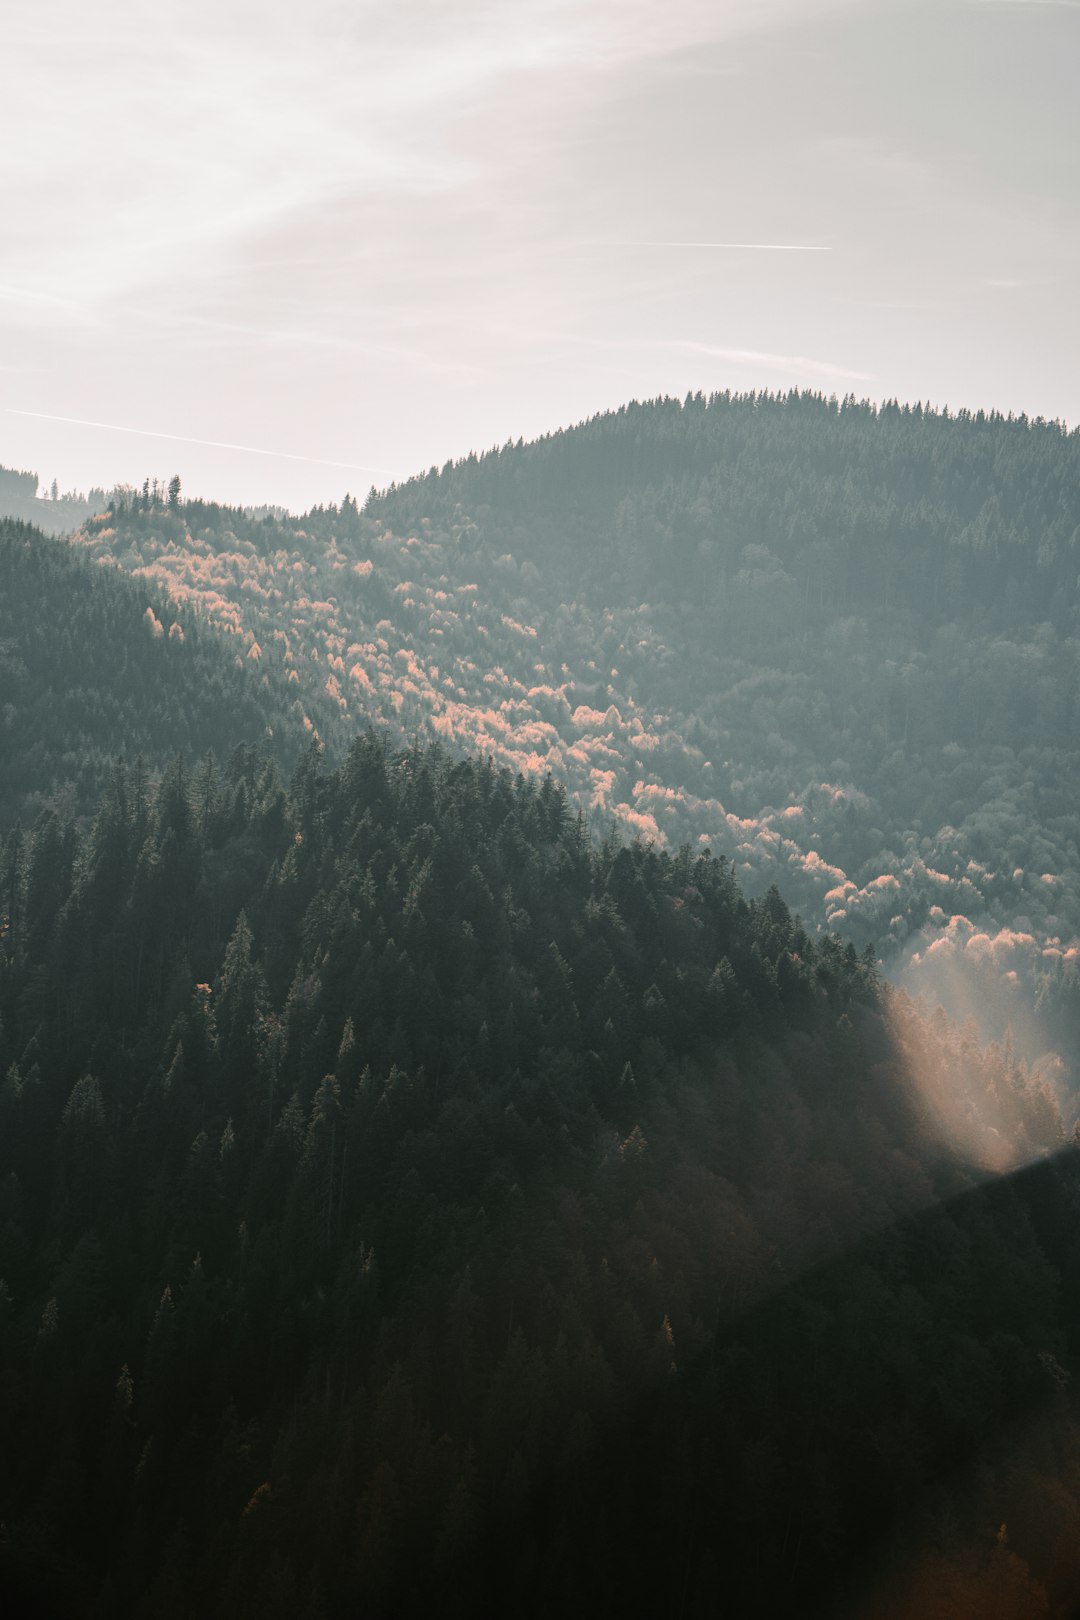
93 665
379 1165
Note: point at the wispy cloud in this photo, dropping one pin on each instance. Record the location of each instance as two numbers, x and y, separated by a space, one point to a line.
755 359
44 305
336 341
352 224
764 359
222 120
30 295
211 444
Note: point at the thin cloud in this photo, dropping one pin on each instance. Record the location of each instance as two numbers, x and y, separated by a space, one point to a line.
211 444
243 127
775 362
765 359
336 341
28 299
27 295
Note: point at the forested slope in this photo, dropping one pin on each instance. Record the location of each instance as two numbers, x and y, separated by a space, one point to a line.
93 666
908 510
19 499
837 643
393 1183
857 631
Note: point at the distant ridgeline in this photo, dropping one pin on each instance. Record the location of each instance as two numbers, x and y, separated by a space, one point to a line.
19 499
94 665
20 485
888 509
837 642
406 1205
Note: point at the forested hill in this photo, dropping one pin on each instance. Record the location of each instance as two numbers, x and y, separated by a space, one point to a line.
93 666
392 1181
897 511
19 499
837 644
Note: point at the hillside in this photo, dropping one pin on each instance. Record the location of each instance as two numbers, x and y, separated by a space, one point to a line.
60 514
414 1194
837 643
94 666
418 1205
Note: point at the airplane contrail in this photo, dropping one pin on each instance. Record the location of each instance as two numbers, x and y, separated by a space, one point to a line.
210 444
745 247
1062 5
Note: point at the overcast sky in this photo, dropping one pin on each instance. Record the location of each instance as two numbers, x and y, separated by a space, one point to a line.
362 238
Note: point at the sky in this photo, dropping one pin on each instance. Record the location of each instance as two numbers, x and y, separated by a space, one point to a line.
292 251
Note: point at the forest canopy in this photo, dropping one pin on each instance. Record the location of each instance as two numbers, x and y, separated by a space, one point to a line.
458 1148
391 1174
836 642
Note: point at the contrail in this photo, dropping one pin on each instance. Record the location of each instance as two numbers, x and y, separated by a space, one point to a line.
210 444
1063 5
742 247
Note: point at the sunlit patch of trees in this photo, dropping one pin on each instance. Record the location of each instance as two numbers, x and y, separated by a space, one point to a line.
92 665
838 642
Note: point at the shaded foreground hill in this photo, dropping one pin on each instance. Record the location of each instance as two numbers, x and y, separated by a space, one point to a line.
388 1173
894 1435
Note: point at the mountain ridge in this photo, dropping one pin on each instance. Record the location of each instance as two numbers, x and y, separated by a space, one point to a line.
874 751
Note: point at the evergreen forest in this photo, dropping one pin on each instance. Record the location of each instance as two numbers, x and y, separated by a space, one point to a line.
538 1021
837 642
